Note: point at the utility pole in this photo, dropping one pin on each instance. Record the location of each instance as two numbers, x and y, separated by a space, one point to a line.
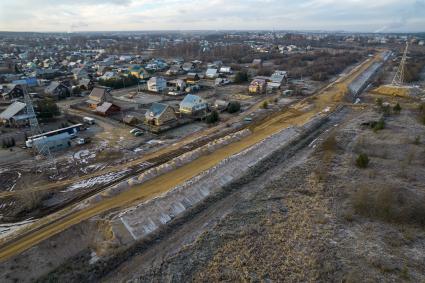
399 75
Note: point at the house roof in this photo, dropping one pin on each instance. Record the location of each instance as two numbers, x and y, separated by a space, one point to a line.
192 76
104 107
176 67
52 86
136 68
278 76
187 65
156 80
156 109
12 110
211 71
97 93
191 100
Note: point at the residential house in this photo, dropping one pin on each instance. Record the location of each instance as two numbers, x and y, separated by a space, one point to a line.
257 86
221 105
193 104
86 84
277 79
15 115
211 73
98 96
257 63
112 75
58 90
107 109
160 114
192 78
175 70
139 72
80 73
101 70
11 91
188 67
177 84
157 84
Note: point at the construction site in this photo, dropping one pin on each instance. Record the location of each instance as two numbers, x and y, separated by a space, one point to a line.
322 188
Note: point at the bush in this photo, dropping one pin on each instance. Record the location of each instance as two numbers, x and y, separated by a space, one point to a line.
379 102
47 108
213 117
386 110
241 77
417 140
389 204
397 108
233 107
265 105
76 90
380 125
265 72
362 160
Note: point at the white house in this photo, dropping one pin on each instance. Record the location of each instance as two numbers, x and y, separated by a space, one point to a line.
192 104
225 70
157 84
211 73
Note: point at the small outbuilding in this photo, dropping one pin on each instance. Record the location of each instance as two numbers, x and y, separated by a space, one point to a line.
107 109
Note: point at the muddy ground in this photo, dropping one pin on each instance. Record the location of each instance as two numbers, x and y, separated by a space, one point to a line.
302 220
315 217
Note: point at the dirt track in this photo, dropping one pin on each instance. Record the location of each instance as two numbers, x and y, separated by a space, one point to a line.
298 115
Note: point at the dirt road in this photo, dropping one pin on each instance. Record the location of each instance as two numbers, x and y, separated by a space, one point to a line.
299 114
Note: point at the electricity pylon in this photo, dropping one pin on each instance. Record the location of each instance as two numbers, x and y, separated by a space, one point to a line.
41 147
399 79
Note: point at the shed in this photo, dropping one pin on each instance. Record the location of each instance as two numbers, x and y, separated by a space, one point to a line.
107 108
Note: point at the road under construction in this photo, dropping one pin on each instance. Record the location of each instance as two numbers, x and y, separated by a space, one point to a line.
326 100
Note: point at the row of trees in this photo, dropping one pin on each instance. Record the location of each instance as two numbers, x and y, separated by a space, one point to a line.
120 82
6 143
319 65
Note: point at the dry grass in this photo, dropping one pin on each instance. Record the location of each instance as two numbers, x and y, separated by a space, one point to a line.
389 204
107 155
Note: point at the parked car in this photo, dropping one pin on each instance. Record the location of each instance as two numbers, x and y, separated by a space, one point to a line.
193 88
136 132
175 93
81 141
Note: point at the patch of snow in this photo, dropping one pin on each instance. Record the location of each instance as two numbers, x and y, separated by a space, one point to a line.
94 258
154 142
8 228
102 179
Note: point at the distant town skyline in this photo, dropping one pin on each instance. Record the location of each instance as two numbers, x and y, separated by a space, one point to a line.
134 15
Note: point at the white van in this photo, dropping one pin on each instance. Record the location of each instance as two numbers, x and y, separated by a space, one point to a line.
88 120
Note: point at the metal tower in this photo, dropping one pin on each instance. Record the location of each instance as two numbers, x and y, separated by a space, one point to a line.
399 75
42 148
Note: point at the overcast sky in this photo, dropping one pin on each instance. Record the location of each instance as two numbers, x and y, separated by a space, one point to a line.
116 15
